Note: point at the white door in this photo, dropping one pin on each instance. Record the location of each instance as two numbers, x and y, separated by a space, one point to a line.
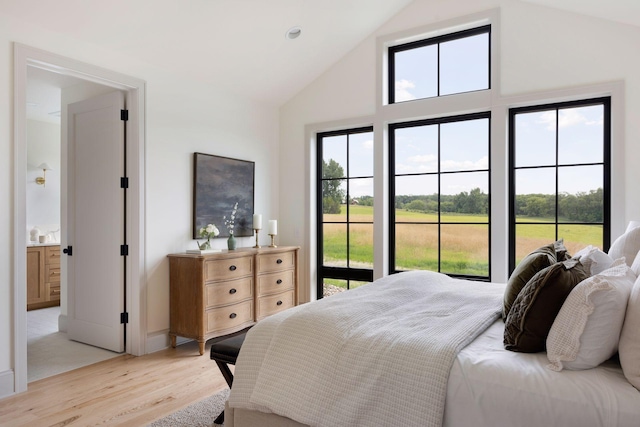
95 200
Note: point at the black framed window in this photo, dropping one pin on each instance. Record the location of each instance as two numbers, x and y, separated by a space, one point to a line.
345 209
439 189
444 65
560 176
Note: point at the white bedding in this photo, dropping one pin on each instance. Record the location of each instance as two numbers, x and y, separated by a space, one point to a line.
490 386
487 386
356 359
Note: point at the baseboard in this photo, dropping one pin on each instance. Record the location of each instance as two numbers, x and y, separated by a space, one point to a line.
160 340
62 322
7 382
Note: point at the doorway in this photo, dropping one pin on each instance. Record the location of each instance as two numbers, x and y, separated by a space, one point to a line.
25 58
49 348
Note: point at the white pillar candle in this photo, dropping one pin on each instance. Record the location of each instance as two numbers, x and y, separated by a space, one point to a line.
273 226
257 222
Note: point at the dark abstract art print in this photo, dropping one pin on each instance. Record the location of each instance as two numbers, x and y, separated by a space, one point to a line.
218 184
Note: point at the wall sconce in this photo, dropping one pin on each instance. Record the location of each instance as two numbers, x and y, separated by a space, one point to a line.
41 180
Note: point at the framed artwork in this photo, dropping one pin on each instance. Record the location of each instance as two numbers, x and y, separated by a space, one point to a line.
218 184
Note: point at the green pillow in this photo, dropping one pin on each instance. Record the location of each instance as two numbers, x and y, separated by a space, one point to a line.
537 305
537 260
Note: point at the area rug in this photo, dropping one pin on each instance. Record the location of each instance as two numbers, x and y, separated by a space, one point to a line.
199 414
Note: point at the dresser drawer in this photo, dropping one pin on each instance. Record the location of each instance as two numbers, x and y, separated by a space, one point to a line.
229 292
275 262
52 274
225 269
275 282
52 254
54 292
274 303
229 317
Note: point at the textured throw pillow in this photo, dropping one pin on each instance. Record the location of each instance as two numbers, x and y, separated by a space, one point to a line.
586 331
594 260
626 246
629 346
537 305
531 264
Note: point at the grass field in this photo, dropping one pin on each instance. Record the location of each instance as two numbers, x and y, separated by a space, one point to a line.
464 247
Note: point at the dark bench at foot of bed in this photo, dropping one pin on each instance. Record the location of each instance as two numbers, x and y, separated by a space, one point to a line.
225 353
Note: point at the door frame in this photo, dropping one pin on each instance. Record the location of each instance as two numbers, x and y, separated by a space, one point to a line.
25 56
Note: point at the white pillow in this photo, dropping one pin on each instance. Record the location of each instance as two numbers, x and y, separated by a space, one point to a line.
594 260
629 347
636 265
626 246
586 331
582 252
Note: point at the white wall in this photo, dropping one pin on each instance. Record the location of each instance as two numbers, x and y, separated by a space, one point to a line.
181 117
43 202
541 49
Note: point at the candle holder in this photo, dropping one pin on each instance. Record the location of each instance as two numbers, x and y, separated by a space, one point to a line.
273 243
257 230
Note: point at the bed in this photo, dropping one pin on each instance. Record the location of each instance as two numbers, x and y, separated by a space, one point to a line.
326 364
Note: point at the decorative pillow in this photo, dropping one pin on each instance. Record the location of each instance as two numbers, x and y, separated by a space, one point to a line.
585 332
537 260
594 260
629 346
562 253
626 246
582 252
537 305
636 265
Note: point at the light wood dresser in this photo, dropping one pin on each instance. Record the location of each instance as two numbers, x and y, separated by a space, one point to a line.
43 276
221 293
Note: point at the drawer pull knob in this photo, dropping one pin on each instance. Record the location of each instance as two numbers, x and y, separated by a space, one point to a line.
279 261
279 303
233 268
232 316
279 281
232 291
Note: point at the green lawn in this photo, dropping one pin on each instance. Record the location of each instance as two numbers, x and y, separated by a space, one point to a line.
464 247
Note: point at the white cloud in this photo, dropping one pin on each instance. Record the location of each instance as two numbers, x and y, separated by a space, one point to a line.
404 168
598 122
482 163
570 117
422 158
368 144
402 90
361 187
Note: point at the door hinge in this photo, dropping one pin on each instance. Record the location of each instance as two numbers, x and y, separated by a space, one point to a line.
124 115
124 317
68 250
124 250
124 182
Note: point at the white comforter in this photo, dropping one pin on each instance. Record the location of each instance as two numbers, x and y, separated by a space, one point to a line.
377 355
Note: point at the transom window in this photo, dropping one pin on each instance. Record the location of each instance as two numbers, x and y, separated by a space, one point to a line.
439 170
345 209
559 163
444 65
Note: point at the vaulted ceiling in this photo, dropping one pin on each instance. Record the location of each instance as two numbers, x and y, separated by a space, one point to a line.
240 45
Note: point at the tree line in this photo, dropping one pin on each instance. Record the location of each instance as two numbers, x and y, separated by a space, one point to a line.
579 207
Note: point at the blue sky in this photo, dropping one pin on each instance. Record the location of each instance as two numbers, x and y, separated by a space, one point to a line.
464 146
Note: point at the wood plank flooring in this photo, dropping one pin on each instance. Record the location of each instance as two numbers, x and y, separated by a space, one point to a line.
123 391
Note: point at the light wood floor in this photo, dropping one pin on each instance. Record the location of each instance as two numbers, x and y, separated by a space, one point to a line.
124 391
